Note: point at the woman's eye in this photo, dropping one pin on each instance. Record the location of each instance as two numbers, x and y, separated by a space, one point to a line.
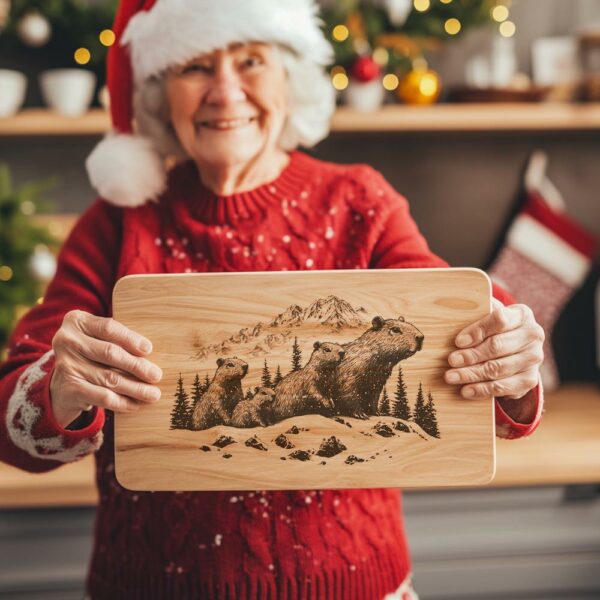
196 68
252 61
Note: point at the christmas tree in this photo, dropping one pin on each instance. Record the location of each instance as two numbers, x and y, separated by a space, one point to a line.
266 376
64 32
400 407
403 30
26 262
296 356
180 415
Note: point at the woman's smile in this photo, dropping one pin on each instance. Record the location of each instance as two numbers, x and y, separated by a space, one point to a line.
225 124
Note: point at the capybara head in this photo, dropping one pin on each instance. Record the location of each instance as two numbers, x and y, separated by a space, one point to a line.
232 368
264 396
393 338
327 354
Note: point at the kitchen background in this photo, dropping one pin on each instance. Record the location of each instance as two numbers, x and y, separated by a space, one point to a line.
450 107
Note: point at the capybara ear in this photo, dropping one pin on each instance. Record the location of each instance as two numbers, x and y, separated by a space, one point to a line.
401 318
220 361
317 345
378 322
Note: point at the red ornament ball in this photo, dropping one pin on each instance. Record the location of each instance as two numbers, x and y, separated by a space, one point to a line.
365 69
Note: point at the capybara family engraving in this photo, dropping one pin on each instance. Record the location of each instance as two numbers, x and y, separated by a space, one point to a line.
338 380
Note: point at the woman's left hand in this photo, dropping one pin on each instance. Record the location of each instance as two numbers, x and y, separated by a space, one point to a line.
500 354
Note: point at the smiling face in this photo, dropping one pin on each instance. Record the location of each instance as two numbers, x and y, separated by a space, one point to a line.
228 107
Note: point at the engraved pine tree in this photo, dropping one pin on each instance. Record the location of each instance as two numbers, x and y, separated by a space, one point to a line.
296 356
266 376
197 392
400 407
384 403
278 376
180 415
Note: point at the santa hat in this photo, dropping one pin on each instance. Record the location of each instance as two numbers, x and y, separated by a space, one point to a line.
151 35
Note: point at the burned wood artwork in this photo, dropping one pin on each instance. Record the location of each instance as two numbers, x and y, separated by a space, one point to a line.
345 382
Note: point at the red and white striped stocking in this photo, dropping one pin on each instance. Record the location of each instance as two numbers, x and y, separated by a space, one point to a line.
545 258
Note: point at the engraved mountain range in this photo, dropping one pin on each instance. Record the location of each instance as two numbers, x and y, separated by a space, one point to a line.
332 314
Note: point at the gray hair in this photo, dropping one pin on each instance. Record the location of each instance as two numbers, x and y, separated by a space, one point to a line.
311 97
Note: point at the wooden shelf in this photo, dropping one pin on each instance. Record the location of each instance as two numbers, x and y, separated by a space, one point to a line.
564 450
471 117
440 117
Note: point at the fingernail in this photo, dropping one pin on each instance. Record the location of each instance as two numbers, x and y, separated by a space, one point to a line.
145 346
457 360
452 377
155 394
469 392
464 340
155 372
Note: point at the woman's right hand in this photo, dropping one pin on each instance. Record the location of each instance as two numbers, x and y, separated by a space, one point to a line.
99 363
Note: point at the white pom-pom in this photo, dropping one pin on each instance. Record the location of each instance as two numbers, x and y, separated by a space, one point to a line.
126 170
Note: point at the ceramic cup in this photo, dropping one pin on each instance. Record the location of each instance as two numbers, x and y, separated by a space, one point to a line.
68 91
13 85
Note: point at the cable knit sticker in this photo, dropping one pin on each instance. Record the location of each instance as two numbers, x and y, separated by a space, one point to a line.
23 416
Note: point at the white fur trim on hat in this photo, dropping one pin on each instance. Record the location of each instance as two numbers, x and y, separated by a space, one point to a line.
175 31
126 170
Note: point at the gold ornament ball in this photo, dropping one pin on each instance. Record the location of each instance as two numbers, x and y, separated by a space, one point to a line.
420 86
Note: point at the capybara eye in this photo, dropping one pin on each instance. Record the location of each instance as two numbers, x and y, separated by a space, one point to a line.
396 330
327 349
230 364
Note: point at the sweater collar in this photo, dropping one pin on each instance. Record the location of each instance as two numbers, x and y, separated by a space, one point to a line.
186 188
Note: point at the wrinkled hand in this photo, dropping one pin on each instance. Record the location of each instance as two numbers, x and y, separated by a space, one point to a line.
100 362
500 354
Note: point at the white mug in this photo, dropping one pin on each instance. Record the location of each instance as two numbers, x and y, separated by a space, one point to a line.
13 85
68 91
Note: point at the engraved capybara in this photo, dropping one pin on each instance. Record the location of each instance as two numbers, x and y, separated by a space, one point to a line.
254 411
368 364
308 390
224 392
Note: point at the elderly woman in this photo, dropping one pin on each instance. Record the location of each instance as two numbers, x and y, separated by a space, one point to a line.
223 93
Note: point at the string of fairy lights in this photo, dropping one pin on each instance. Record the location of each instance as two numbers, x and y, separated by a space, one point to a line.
82 56
340 33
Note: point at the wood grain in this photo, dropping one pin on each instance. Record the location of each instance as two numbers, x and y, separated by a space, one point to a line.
195 319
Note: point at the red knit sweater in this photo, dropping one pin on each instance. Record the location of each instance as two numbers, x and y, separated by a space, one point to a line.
288 544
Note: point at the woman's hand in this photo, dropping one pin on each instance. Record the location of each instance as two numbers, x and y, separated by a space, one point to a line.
98 363
501 356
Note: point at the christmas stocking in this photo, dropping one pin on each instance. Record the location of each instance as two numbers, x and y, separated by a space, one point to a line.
545 257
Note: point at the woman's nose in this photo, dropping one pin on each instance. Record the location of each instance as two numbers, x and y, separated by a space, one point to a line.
225 89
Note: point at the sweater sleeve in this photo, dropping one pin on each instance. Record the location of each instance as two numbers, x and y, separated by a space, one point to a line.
400 244
30 437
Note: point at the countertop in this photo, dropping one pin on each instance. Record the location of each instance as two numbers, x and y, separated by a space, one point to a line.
565 449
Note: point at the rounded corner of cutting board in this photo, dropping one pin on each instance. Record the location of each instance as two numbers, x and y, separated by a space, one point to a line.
478 274
122 283
122 480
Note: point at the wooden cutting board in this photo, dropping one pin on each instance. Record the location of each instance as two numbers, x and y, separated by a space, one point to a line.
304 380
